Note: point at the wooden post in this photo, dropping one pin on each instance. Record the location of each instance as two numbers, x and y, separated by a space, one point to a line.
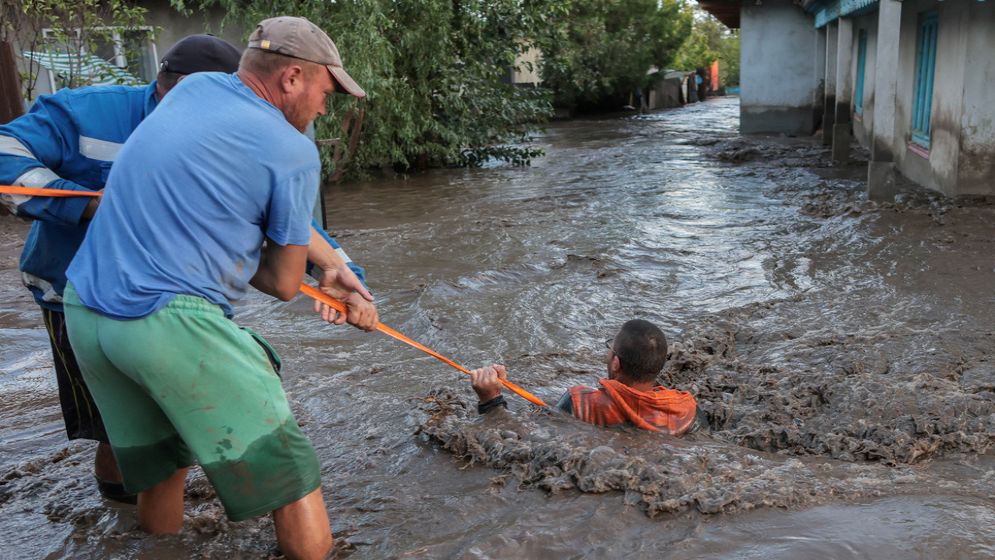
11 106
352 126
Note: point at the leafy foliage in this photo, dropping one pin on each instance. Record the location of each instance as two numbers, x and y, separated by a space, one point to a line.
602 49
435 73
75 29
710 40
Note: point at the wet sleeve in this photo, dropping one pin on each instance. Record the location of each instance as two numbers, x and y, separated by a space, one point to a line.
32 147
496 402
700 423
288 217
566 403
358 270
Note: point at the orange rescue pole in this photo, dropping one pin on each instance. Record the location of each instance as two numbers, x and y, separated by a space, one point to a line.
305 289
339 306
30 191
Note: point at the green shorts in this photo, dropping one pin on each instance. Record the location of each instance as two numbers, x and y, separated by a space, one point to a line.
185 385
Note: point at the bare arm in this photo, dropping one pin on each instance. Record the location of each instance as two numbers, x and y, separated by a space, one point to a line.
339 281
487 384
281 270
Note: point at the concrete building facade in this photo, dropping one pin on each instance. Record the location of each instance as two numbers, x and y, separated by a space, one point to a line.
777 86
910 80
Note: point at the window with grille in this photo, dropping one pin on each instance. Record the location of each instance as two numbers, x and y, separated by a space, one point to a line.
925 65
861 67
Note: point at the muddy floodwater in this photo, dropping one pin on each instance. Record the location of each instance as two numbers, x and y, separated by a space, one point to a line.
841 349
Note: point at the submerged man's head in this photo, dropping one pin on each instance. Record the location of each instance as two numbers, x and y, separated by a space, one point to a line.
638 352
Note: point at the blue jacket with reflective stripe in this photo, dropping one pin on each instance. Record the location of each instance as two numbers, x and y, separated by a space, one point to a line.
68 140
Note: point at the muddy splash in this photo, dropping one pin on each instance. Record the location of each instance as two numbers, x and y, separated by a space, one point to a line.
658 476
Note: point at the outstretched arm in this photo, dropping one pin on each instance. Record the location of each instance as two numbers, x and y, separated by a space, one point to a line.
486 383
32 147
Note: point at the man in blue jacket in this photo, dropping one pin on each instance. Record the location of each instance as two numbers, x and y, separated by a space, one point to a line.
69 140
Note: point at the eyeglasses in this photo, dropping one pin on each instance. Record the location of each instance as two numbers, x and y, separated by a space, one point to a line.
610 345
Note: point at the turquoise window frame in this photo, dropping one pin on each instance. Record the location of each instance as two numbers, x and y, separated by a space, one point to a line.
858 101
922 99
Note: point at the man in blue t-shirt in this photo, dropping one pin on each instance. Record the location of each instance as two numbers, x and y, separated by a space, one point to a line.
213 192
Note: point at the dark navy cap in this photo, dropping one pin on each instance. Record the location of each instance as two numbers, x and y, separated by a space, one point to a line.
201 53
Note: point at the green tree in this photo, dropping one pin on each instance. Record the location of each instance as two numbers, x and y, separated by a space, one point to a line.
602 49
434 72
709 41
75 28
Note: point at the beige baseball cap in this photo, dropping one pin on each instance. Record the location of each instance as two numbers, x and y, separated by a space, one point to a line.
299 38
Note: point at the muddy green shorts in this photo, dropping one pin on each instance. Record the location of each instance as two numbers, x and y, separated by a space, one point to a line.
185 385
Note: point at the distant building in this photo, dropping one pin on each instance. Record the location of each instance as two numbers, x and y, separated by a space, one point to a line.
128 56
911 80
525 70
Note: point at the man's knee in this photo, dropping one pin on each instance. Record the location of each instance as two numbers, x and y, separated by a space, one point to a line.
302 529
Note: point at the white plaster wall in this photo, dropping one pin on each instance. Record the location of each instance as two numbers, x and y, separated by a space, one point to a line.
819 66
521 73
832 48
976 170
939 170
172 26
776 56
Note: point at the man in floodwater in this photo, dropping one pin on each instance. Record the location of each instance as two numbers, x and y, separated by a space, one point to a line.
212 193
628 396
69 140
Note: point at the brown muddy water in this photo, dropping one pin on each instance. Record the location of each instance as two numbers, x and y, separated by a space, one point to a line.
842 350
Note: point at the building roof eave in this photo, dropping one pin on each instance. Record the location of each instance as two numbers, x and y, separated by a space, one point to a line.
726 11
828 11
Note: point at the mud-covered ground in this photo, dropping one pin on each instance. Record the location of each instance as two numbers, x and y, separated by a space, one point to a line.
841 349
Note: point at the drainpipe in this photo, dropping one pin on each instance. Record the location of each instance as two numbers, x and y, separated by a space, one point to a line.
819 77
829 101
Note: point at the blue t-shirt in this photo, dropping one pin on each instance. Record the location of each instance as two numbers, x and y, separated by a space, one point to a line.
193 191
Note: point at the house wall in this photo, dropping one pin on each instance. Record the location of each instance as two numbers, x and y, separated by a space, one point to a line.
976 165
521 73
778 86
172 26
938 169
819 75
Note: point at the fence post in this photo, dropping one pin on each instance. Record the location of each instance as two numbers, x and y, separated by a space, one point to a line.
11 105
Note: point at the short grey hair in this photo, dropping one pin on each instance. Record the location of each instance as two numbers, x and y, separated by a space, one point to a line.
267 63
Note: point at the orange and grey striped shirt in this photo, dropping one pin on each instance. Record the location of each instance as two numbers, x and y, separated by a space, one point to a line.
659 409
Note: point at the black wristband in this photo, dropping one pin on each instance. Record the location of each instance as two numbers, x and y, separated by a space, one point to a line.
484 408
